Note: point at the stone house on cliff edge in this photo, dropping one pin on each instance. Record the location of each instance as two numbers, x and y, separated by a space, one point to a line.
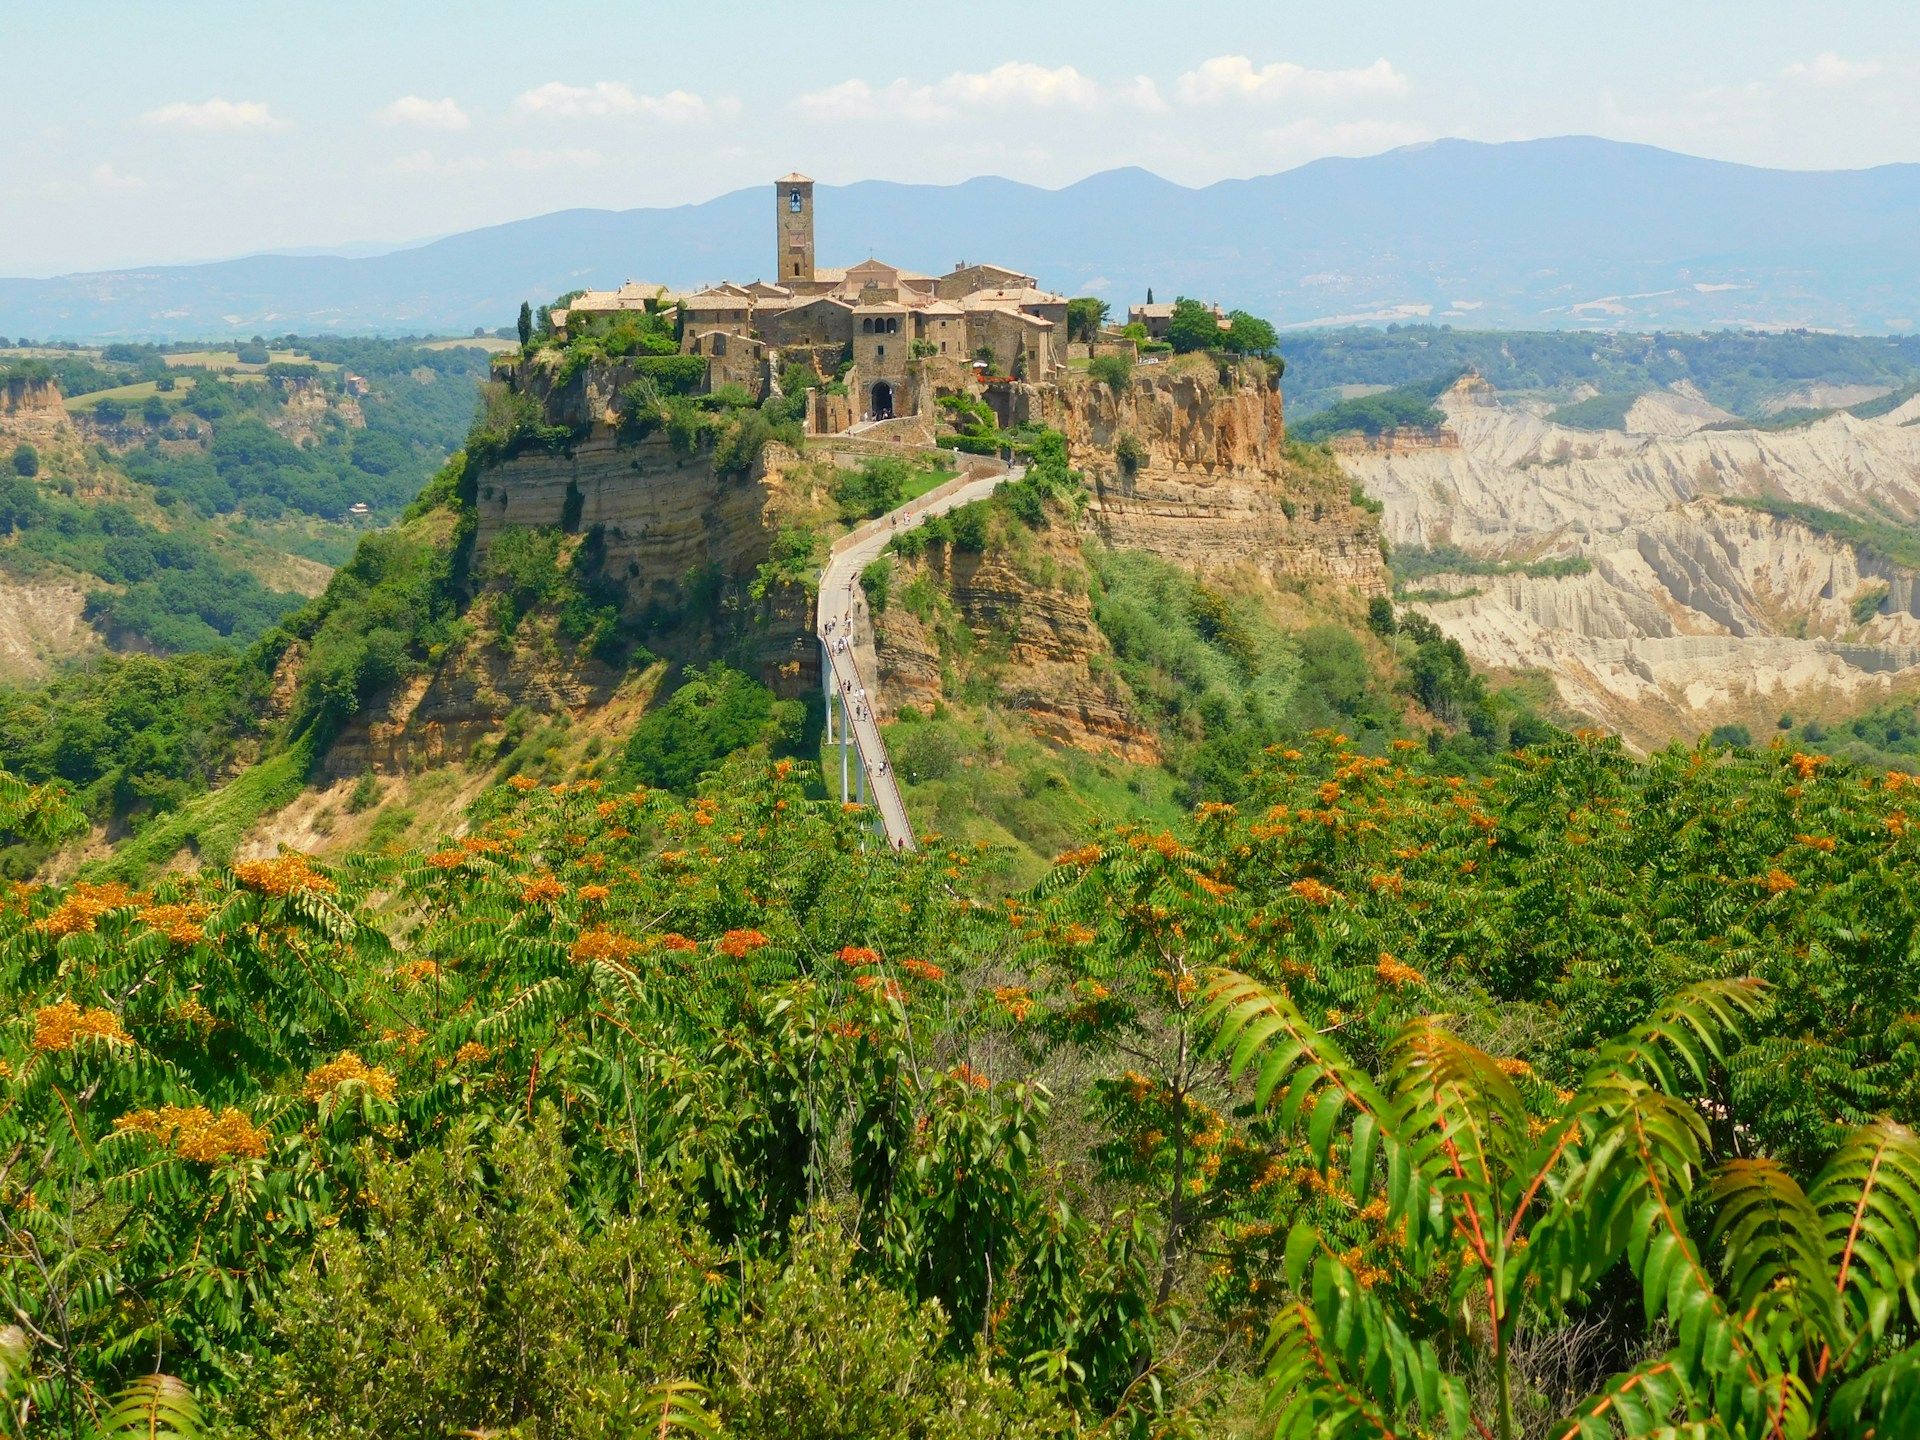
911 337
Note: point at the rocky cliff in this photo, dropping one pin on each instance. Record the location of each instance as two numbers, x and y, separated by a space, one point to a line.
32 410
1695 611
1197 470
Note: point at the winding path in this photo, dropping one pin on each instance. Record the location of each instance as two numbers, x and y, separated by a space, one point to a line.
844 628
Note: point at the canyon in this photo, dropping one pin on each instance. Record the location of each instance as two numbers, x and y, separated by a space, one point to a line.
1693 610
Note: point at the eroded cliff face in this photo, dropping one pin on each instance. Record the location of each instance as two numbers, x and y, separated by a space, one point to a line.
1209 483
32 410
1018 620
1695 612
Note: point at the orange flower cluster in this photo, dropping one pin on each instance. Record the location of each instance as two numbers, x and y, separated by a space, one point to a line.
1822 843
447 859
1805 765
1214 810
1314 892
179 923
541 888
967 1075
416 971
1163 843
1213 887
523 783
594 894
1778 882
283 876
678 942
1389 883
56 1027
737 944
1511 1065
923 970
889 988
1395 973
858 955
1077 934
193 1133
1016 1001
472 1050
348 1069
1404 745
604 944
85 904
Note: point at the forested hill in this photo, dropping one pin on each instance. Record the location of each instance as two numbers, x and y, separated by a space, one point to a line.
1571 232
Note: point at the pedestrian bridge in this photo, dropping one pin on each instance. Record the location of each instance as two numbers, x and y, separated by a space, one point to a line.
844 628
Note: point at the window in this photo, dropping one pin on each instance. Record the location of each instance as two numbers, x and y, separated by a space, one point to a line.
879 352
943 347
796 268
793 201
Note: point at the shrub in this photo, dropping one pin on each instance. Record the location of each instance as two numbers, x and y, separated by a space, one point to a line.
968 526
1737 735
877 581
715 712
1130 453
26 460
1113 371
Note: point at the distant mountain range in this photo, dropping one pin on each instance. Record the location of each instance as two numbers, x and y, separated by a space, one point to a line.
1570 232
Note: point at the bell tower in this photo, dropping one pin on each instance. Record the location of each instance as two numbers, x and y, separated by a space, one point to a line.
793 230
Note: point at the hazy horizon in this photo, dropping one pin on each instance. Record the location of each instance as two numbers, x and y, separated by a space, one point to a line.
227 137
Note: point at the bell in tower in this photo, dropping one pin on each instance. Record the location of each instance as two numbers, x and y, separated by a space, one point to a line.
793 230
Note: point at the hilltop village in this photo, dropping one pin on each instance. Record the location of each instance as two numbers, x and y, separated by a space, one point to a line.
912 337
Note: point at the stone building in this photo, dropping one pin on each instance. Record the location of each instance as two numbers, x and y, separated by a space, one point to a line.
909 337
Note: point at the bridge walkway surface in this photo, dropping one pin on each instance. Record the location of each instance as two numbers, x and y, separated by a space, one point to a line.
844 627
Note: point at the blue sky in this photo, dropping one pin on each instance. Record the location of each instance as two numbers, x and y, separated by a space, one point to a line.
145 132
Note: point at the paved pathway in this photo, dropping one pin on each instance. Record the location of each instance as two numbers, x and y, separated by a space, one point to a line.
845 628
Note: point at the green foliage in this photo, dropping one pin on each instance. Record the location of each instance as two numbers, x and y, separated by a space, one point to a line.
876 487
1596 412
969 526
1129 453
1193 327
1734 735
1113 371
713 714
876 581
509 422
1250 335
26 460
1737 370
1869 602
1086 317
1408 564
1410 407
792 560
1871 539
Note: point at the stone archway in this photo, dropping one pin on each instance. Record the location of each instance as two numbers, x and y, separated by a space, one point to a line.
882 400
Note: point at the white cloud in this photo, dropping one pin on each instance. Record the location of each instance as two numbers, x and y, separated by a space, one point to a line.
560 101
1828 68
426 114
527 159
1143 94
105 177
1016 83
216 114
1233 77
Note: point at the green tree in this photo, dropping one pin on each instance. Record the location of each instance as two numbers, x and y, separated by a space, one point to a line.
26 460
524 327
1250 335
715 712
1085 317
1193 327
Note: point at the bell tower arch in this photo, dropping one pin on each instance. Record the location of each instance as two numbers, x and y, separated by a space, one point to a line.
793 230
